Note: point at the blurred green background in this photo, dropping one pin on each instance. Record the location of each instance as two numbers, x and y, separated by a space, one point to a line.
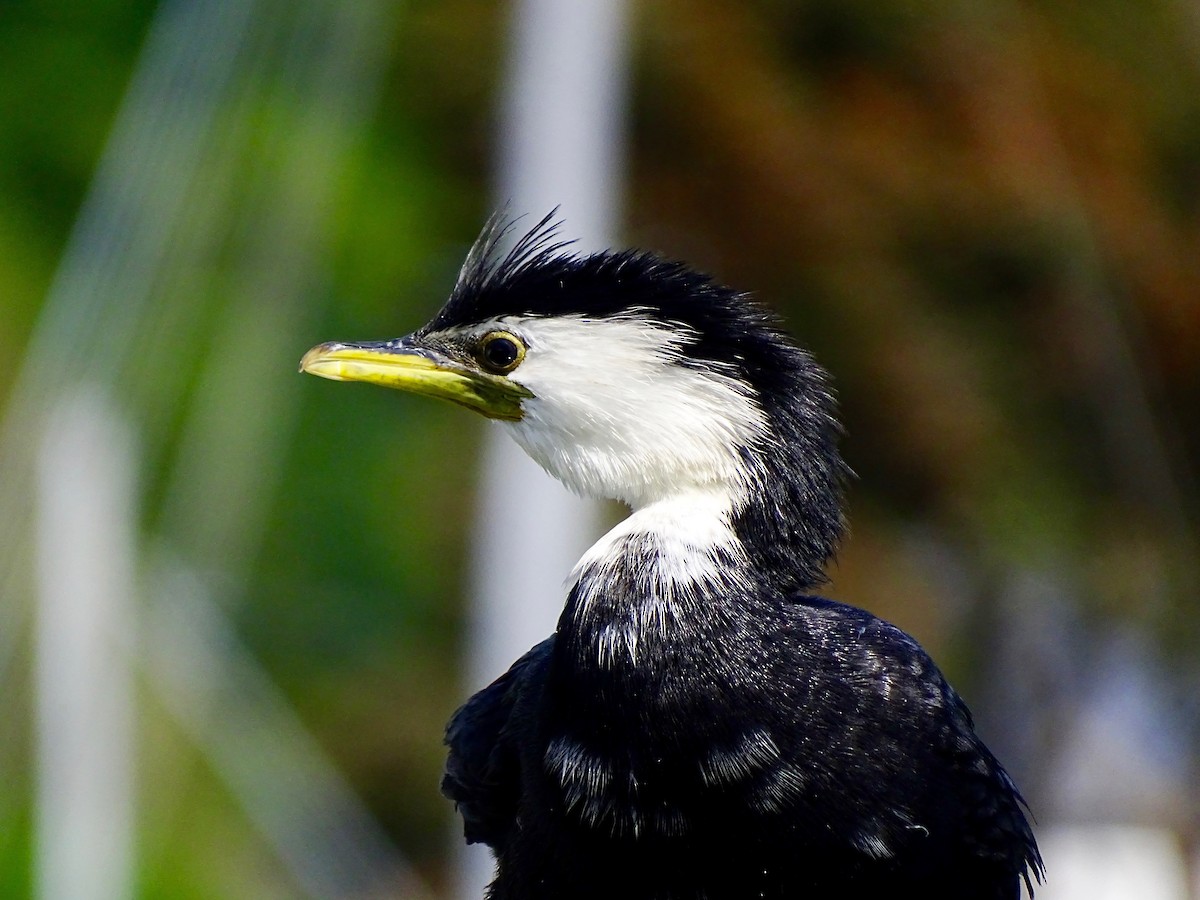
983 219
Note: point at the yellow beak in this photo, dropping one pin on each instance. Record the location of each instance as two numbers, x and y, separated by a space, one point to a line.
419 370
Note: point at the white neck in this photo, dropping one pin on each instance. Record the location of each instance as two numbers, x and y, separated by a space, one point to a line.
683 527
677 551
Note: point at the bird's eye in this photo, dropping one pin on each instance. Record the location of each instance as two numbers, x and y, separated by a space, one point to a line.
500 352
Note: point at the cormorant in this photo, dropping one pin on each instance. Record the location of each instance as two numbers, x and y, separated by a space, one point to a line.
700 726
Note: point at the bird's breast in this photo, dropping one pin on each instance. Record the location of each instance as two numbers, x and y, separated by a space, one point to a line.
622 794
668 746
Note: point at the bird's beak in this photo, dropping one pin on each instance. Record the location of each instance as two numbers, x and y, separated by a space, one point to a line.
407 366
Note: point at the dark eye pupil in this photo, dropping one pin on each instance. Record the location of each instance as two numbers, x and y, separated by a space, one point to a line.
500 353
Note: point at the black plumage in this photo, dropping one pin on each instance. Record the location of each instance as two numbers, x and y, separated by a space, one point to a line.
701 726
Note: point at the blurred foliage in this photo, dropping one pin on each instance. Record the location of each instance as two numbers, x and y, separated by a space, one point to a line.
984 219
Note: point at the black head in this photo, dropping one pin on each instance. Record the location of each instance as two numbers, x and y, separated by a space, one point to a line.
641 379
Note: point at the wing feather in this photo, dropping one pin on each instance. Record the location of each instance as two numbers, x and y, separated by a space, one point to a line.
483 775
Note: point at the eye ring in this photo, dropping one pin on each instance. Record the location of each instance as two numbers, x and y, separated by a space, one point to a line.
500 352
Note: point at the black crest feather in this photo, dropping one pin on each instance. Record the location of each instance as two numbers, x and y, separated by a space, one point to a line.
488 269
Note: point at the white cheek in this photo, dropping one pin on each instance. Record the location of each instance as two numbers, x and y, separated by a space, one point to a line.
615 414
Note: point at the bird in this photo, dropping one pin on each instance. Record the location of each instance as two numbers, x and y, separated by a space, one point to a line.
702 724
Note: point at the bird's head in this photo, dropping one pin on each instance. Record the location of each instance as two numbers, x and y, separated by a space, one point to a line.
629 377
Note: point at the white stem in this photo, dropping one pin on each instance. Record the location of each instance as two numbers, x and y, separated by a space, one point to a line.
85 719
